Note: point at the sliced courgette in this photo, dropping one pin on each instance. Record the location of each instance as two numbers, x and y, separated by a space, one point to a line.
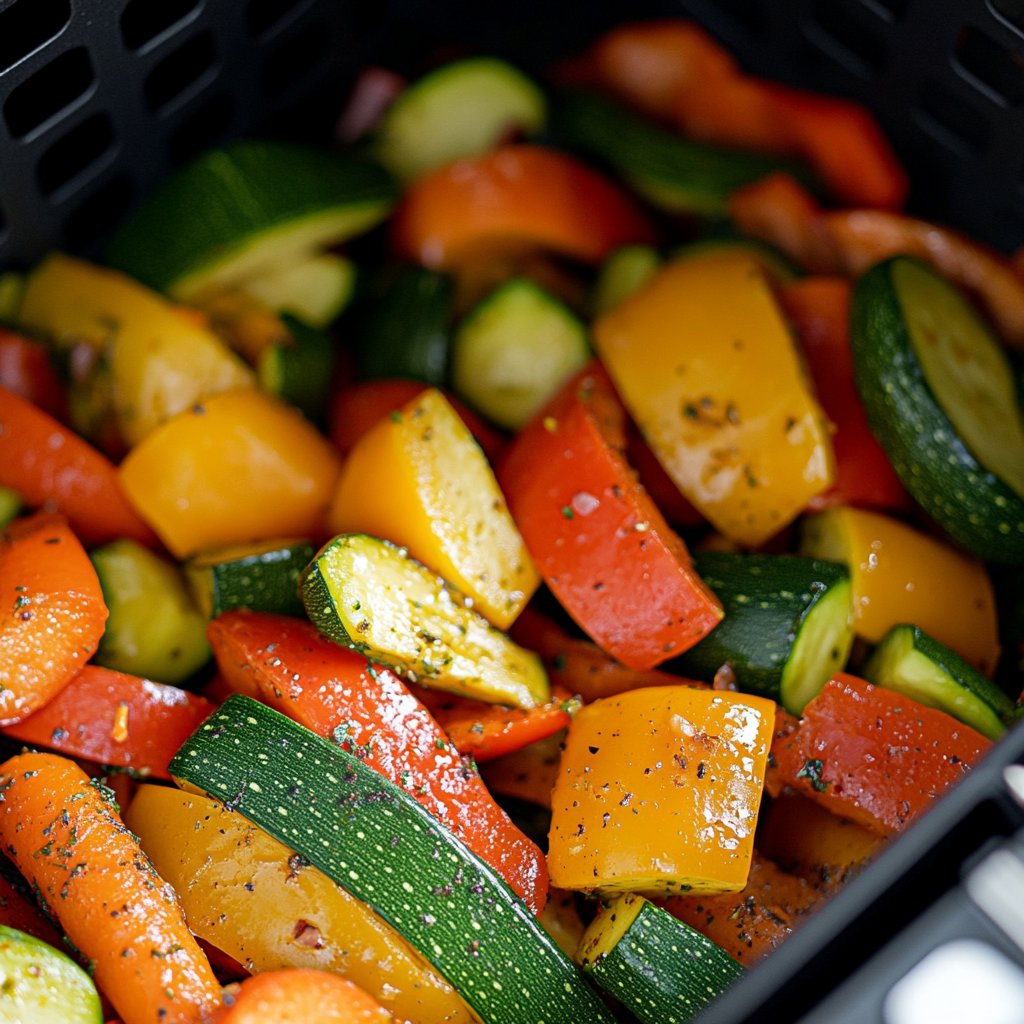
621 274
673 173
911 662
262 577
154 629
514 349
377 842
403 326
246 210
315 290
461 109
299 368
940 397
662 970
787 626
41 985
368 594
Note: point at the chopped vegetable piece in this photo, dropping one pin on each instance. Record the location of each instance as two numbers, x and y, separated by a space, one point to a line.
65 836
594 534
52 616
269 908
872 755
115 719
658 792
366 708
705 363
27 369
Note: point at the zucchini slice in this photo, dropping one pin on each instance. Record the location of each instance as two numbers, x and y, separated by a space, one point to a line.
788 624
662 970
621 274
154 629
41 984
262 577
461 109
300 368
911 662
514 350
668 170
247 210
369 594
315 290
374 840
940 396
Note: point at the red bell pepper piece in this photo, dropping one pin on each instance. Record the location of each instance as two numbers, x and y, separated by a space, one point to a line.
597 539
486 731
18 911
819 310
116 719
26 369
367 709
872 755
49 465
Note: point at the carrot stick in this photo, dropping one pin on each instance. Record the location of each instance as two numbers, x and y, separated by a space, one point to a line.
296 995
52 612
67 839
50 466
115 719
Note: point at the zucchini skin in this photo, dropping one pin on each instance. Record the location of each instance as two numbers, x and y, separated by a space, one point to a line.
378 843
973 506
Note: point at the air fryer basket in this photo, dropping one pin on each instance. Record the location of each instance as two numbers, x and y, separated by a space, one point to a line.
100 98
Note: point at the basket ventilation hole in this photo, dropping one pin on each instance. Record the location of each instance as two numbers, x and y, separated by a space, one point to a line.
996 69
179 70
840 31
292 60
43 95
1012 11
143 21
205 126
73 153
90 221
261 16
951 120
27 24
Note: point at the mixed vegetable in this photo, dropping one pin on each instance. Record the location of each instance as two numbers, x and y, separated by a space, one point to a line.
512 565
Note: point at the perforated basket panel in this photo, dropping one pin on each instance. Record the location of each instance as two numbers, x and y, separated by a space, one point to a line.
99 98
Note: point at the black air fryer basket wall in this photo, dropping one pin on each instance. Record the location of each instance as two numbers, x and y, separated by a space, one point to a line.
100 98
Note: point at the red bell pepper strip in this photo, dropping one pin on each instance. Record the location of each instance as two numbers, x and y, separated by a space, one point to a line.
115 719
50 466
52 612
819 310
597 539
367 709
26 369
18 911
514 197
872 755
486 731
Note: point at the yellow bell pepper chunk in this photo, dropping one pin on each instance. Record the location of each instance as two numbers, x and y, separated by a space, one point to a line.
658 792
706 364
251 897
419 479
162 358
901 575
240 467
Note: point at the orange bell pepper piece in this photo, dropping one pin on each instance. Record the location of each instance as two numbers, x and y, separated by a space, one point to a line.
335 692
819 310
50 466
241 466
873 755
52 614
68 840
659 791
515 196
116 719
706 364
596 537
899 574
